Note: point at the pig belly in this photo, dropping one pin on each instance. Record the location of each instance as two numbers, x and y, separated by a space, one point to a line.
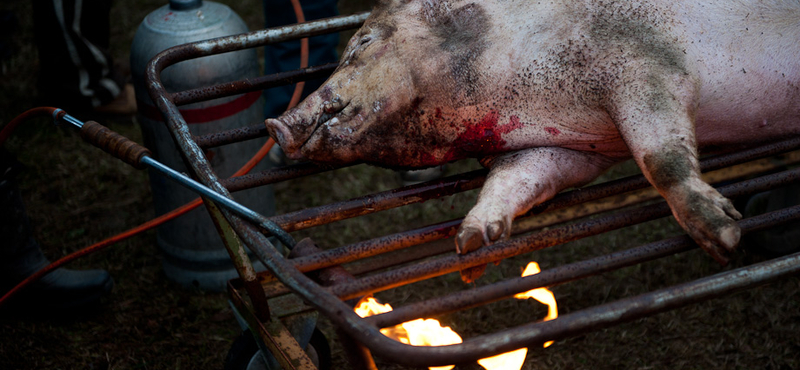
769 110
720 131
748 69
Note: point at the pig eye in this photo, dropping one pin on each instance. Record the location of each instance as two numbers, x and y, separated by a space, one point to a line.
362 44
364 40
357 48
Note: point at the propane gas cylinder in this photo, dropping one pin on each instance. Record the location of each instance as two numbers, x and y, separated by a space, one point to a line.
193 251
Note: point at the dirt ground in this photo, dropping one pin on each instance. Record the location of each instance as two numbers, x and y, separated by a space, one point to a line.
76 196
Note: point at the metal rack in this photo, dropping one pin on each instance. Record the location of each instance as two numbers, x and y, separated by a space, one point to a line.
268 299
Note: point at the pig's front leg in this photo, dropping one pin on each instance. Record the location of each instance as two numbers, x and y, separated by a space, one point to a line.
517 182
656 120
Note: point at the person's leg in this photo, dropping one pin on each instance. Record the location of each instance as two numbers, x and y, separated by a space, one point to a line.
76 71
286 56
20 257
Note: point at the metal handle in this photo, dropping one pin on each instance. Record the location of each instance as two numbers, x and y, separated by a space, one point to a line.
140 157
115 144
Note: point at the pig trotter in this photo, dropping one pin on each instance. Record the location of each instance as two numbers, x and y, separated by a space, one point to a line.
516 182
662 139
468 239
496 230
707 216
473 273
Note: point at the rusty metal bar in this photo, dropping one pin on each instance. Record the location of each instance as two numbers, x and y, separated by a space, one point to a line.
272 176
614 313
406 239
340 313
376 246
359 356
215 139
255 131
767 150
541 239
240 261
567 273
316 216
472 349
418 193
252 84
273 334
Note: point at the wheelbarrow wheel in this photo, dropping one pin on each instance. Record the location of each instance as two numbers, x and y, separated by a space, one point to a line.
245 354
777 241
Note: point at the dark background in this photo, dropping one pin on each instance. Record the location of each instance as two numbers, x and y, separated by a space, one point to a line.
77 195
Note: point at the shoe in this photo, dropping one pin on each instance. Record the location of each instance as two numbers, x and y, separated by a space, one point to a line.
123 105
62 292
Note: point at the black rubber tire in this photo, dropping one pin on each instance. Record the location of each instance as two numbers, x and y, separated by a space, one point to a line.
778 241
244 348
323 348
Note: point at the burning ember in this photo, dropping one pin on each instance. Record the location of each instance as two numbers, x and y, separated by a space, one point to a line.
429 332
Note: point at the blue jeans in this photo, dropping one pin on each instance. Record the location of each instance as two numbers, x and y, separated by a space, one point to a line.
286 56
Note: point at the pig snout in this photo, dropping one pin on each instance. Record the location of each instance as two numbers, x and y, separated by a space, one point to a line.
292 129
280 131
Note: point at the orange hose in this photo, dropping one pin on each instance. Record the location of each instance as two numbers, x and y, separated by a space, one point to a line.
43 111
5 133
298 89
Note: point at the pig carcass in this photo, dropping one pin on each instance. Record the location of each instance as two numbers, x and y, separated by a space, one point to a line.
549 94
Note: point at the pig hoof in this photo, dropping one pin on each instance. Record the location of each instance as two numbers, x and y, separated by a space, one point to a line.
474 234
709 217
729 237
495 230
473 273
468 239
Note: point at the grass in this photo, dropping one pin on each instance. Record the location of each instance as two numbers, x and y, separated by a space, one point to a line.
76 195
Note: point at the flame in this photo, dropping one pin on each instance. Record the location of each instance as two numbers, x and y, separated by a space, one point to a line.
508 360
429 332
543 295
419 332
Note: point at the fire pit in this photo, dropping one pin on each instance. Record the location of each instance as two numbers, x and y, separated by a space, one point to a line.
342 276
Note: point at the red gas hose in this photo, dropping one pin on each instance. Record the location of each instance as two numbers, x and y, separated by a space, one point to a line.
56 113
5 133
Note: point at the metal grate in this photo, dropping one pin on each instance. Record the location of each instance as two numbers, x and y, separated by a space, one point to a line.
286 289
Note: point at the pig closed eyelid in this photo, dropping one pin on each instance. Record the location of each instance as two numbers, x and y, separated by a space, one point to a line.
362 44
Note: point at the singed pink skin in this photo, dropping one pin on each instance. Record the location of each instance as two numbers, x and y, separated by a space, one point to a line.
556 92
